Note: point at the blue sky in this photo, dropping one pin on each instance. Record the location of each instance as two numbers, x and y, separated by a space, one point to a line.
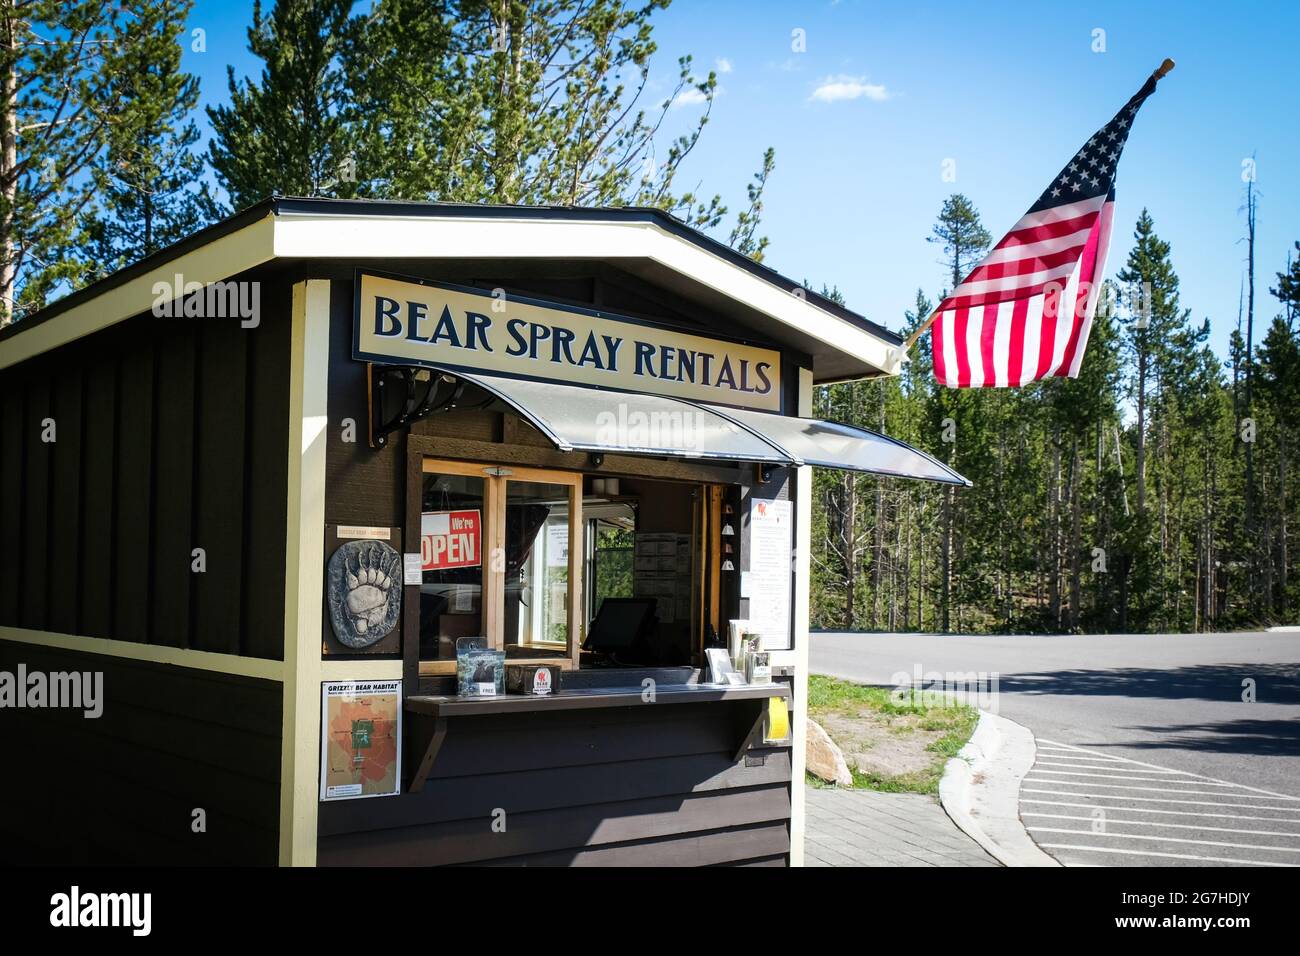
1004 91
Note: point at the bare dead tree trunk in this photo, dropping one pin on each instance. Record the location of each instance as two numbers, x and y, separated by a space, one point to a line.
850 537
1251 542
1054 535
945 561
1140 468
1076 527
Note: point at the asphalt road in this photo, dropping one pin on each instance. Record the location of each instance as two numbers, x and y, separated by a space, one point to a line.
1148 753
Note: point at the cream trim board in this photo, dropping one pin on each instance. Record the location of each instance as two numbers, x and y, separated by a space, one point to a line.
152 653
416 237
802 582
304 572
341 237
224 257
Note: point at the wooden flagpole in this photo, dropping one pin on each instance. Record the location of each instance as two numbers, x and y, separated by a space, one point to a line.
1160 72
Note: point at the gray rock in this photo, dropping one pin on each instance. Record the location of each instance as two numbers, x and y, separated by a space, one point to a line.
825 761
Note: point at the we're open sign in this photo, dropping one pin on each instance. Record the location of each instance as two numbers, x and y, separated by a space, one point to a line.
450 539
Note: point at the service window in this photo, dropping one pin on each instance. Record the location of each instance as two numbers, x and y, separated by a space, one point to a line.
538 611
501 556
523 557
453 506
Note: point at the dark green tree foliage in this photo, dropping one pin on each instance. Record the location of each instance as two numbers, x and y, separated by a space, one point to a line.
149 191
291 133
1086 514
64 68
511 101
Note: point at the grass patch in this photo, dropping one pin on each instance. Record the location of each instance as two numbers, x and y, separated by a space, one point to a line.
893 744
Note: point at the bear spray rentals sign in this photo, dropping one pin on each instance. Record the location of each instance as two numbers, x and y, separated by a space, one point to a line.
450 539
423 323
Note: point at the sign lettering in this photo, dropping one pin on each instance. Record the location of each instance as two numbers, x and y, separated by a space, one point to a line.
417 323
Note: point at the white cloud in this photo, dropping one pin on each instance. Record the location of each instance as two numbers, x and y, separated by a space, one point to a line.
722 64
836 88
691 96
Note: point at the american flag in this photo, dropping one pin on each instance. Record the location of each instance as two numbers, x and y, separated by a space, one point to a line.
1024 313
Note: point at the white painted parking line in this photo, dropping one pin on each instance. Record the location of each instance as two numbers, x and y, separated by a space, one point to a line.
1187 773
1258 825
1117 786
1168 856
1117 776
1062 751
1103 766
1198 803
1175 813
1168 839
1112 822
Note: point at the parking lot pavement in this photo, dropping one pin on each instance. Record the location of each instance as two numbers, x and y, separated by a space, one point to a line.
1089 808
865 828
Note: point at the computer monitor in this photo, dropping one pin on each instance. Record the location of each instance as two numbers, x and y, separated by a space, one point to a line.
620 624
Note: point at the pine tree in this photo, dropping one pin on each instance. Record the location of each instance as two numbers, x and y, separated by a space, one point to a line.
61 97
290 134
964 241
469 101
150 191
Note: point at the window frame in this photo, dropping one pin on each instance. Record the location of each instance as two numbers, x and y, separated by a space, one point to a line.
496 479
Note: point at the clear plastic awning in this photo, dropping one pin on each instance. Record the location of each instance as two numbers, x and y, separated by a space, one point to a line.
579 418
814 441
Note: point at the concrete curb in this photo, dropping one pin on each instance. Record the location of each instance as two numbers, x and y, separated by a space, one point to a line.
980 790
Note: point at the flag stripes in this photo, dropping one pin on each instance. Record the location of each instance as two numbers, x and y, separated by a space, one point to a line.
1025 312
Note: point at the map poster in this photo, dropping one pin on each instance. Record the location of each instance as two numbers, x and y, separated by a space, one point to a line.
771 545
361 739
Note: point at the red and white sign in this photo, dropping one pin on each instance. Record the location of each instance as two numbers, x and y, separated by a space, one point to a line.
450 539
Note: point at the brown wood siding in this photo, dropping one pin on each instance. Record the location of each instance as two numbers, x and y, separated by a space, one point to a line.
122 788
626 786
171 435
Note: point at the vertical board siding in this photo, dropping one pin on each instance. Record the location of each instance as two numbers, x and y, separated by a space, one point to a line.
35 551
65 485
266 477
98 490
170 436
173 532
134 487
219 487
12 458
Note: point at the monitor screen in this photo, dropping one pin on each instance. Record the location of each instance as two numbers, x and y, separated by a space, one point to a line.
619 623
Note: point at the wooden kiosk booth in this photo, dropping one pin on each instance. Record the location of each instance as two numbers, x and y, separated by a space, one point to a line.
296 487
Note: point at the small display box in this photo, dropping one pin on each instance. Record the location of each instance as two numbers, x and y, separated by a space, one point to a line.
535 680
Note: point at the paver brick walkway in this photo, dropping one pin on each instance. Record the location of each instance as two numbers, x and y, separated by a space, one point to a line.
865 828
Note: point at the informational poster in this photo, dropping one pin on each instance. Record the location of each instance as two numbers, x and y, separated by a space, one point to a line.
451 539
361 739
557 544
771 545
